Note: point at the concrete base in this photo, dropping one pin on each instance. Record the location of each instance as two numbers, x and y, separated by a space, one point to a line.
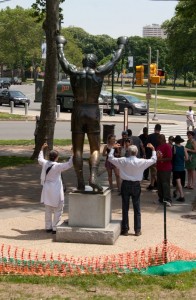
90 210
89 219
102 236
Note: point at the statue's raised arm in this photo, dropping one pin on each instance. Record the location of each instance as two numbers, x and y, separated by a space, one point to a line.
65 65
107 68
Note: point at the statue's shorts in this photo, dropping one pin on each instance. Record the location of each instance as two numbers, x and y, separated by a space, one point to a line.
85 118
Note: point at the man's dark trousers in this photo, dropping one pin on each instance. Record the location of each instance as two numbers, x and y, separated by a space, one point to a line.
131 189
163 185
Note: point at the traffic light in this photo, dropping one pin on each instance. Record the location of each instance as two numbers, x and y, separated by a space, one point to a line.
161 72
153 70
155 79
139 75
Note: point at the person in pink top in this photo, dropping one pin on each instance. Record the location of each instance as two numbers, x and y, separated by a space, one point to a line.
164 169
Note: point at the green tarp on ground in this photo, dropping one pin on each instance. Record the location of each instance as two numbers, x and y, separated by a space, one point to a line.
174 267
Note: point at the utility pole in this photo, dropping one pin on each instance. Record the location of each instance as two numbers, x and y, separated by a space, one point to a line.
155 102
148 94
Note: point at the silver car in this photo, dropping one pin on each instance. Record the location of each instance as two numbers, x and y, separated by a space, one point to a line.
132 103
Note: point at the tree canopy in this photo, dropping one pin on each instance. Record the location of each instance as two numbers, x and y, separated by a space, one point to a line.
23 34
181 37
20 37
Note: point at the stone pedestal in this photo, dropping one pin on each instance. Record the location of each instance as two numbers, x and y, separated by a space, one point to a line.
90 210
89 219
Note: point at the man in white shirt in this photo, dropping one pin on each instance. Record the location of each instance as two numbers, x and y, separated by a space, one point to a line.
52 192
190 118
131 172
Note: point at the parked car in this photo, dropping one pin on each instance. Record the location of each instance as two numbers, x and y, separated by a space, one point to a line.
134 105
6 96
105 98
16 80
5 82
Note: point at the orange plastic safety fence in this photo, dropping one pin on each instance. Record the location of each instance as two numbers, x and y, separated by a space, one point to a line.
14 260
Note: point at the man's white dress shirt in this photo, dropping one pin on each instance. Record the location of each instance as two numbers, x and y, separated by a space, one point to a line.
131 168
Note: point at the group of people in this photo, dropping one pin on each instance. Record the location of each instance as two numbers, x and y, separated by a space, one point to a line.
125 141
135 158
132 159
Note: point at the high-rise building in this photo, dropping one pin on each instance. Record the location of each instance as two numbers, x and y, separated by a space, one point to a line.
153 30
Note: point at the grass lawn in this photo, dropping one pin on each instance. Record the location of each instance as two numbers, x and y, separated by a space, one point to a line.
168 100
11 117
114 286
188 94
58 142
13 161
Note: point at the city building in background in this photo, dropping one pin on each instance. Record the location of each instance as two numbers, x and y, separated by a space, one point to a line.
153 30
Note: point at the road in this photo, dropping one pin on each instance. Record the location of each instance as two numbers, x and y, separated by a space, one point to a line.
25 129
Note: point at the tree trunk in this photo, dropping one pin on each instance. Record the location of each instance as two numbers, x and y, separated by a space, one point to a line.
48 107
175 77
184 79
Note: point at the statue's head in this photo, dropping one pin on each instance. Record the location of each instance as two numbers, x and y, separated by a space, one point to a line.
89 60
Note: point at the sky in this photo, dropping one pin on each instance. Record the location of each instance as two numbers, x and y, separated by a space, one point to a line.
112 17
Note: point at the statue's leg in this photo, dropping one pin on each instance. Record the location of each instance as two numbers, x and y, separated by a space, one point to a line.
94 141
78 142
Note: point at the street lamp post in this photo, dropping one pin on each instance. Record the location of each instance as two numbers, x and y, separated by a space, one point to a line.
133 79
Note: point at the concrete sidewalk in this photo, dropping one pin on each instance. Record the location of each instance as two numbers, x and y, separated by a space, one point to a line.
22 216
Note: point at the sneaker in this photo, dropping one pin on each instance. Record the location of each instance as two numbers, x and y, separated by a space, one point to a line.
168 203
138 233
150 187
124 232
180 199
48 230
